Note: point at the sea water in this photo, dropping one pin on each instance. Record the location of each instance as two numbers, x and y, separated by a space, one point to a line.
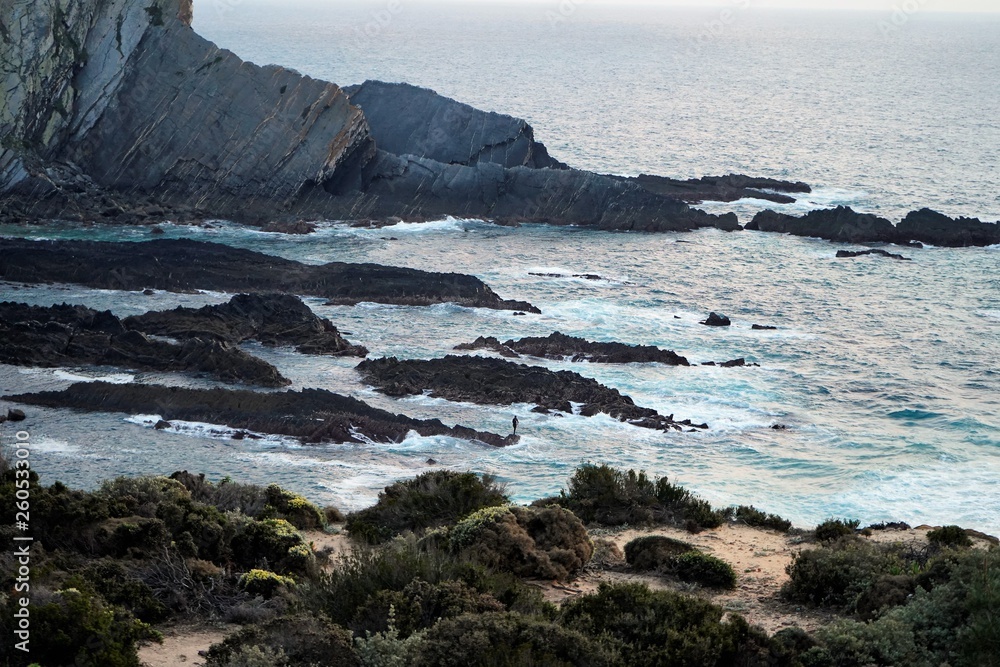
886 373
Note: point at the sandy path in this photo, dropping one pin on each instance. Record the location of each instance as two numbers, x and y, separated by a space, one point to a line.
181 644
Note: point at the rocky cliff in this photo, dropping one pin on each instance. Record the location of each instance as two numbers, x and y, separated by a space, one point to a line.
116 110
124 95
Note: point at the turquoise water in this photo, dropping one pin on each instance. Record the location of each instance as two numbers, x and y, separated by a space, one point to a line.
886 372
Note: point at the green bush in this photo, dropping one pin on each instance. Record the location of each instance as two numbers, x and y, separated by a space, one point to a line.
264 583
121 587
949 536
296 641
653 552
272 544
653 628
547 543
751 516
419 606
611 497
76 627
508 640
837 575
834 529
703 569
360 576
433 499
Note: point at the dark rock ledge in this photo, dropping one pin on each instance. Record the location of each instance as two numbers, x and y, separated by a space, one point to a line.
75 335
845 225
561 346
180 265
496 382
846 254
312 415
272 319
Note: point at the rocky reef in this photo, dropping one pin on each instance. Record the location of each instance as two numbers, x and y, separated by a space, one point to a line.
183 265
271 319
846 225
497 382
561 346
723 188
846 254
74 335
312 415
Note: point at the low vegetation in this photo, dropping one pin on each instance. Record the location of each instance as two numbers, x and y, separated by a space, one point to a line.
445 572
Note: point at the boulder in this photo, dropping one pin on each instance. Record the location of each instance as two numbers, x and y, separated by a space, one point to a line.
716 320
16 415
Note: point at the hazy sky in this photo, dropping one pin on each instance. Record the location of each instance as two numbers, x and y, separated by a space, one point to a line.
909 6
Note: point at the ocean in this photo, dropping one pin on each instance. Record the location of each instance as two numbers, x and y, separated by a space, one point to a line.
886 373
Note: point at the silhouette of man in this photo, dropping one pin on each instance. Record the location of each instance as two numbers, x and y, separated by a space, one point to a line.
514 422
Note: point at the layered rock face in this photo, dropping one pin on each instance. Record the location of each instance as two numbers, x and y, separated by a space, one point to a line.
129 94
408 120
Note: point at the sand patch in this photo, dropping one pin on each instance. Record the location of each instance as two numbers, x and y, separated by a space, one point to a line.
182 645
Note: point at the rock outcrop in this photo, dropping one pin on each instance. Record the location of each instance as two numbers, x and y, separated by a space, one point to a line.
408 120
846 225
183 265
497 382
716 320
120 112
271 319
561 346
935 228
312 415
75 335
127 92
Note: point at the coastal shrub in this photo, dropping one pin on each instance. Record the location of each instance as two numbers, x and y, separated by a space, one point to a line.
547 543
297 641
263 583
654 628
508 640
271 544
834 529
838 574
703 569
361 575
293 508
419 606
607 554
119 586
652 552
256 656
270 502
387 649
76 627
755 518
886 592
611 497
432 499
949 536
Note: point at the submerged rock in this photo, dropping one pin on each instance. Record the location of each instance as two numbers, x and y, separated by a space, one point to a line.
561 346
75 335
312 415
871 251
272 319
180 265
490 381
716 320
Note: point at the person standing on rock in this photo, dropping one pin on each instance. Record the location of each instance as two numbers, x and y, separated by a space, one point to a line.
514 422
